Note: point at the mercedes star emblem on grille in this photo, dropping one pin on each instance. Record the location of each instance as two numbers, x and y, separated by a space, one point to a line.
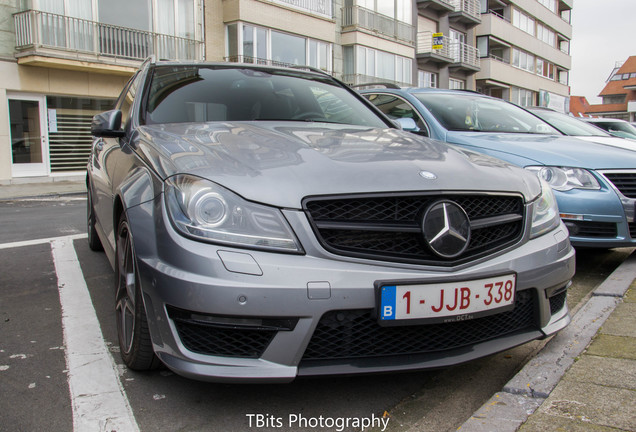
446 229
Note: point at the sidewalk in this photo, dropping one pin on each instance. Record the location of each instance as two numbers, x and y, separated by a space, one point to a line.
584 379
38 189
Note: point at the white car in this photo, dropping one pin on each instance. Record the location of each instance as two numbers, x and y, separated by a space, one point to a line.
616 127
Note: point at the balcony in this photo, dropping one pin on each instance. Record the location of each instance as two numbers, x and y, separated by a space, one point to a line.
317 7
456 55
425 52
438 5
44 38
355 17
465 57
467 12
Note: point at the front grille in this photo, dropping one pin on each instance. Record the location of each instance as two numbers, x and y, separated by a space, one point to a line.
591 229
632 229
389 227
350 334
557 302
625 182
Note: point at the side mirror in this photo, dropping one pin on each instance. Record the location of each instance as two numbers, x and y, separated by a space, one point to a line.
107 125
407 124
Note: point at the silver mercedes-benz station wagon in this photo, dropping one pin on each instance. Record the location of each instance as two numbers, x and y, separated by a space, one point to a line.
267 223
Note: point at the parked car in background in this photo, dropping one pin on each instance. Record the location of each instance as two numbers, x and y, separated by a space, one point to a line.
572 126
595 184
616 127
265 223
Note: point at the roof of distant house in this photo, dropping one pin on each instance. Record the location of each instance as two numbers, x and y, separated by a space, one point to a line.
579 106
627 75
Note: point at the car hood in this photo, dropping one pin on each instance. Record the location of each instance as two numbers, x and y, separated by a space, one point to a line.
535 149
611 141
280 163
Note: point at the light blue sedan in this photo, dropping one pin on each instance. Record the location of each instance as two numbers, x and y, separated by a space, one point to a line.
595 184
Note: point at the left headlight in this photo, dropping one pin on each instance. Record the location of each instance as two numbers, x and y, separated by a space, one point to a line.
203 210
545 212
564 178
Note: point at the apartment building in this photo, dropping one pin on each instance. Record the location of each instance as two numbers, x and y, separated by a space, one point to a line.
446 53
62 61
65 60
524 47
358 41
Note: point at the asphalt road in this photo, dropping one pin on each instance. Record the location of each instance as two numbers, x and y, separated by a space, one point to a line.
34 389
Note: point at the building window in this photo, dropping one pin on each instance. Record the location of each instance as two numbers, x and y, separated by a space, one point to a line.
545 68
545 34
523 60
455 84
397 9
550 4
426 79
523 21
521 96
251 44
564 77
374 65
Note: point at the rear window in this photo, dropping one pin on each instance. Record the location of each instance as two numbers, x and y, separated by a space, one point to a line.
181 94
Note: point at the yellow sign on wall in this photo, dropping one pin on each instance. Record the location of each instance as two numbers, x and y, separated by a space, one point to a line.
438 41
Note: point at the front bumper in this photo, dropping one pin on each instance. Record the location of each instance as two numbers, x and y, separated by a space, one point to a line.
602 218
237 289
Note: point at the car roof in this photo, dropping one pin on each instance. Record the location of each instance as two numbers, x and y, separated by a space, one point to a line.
600 120
298 68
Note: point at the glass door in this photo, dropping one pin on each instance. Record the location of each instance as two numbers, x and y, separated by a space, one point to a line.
29 136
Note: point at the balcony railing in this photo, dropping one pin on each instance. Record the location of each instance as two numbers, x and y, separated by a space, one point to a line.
456 51
470 7
425 44
320 7
465 54
357 79
357 16
37 29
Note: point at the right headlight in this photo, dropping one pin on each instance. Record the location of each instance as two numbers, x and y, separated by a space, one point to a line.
545 212
205 211
565 178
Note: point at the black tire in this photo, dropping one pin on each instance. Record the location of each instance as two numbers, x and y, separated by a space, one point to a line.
94 243
135 345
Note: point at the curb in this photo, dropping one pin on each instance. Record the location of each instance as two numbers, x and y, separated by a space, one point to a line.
507 410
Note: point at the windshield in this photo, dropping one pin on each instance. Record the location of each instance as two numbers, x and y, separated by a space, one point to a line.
472 112
620 129
568 125
181 94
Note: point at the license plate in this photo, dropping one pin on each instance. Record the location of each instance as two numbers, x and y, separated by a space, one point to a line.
448 301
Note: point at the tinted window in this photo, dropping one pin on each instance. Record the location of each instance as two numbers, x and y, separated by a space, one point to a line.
569 125
471 112
395 107
203 93
621 129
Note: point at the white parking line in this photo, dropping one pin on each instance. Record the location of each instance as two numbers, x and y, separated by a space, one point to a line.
39 241
98 399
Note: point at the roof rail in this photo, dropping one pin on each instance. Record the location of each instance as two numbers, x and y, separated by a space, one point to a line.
309 68
388 85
